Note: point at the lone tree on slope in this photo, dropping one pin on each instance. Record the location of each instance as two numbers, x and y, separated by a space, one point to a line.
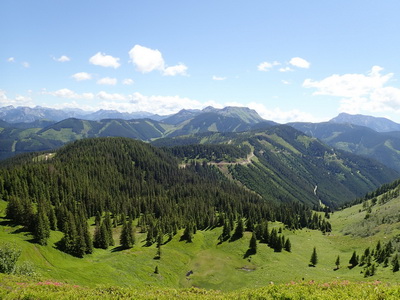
314 258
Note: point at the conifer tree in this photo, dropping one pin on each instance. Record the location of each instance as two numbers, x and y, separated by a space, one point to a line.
253 244
108 227
353 260
188 233
337 262
314 258
288 246
395 263
265 233
127 238
239 230
42 230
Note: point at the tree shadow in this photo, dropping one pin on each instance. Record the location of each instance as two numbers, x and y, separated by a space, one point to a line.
249 252
118 249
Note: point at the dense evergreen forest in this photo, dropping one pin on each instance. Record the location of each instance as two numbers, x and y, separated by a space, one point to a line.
117 180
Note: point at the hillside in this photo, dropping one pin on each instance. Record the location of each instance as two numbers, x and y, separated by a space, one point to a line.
381 146
287 166
205 263
377 124
46 135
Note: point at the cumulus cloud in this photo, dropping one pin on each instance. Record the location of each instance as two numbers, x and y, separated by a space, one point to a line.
103 60
11 59
281 116
19 100
266 66
62 58
179 69
107 81
69 94
81 76
128 81
147 60
107 96
299 62
218 78
285 69
359 92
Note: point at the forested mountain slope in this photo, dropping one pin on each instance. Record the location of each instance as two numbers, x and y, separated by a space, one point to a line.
287 165
123 177
381 146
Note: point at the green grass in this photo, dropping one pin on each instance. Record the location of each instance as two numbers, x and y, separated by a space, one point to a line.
214 266
13 287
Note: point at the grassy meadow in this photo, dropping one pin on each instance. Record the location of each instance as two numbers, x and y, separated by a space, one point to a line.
206 264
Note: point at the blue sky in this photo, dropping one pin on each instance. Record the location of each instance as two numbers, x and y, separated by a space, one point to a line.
290 60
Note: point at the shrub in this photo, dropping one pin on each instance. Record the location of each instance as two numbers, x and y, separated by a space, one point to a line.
9 255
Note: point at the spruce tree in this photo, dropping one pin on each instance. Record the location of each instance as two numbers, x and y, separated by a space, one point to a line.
314 258
395 263
253 244
108 226
127 238
42 230
353 260
337 262
288 246
188 233
239 230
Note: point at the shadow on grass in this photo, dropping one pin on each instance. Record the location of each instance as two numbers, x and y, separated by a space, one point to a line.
118 249
249 252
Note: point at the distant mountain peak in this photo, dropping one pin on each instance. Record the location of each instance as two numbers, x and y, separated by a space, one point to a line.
378 124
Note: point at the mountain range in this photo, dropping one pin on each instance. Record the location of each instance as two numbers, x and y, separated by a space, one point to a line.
25 129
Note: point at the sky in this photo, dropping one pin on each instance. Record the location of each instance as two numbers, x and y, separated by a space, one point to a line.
298 60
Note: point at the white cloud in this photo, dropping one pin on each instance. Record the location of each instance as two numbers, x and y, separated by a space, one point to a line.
67 93
218 78
107 81
19 100
81 76
128 81
280 116
285 82
266 66
299 62
11 59
179 69
147 60
25 64
107 96
285 69
101 59
359 92
62 58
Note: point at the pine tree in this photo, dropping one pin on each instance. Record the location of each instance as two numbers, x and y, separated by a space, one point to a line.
239 230
253 244
101 238
395 263
42 230
353 260
127 237
108 226
226 232
337 262
314 258
288 246
188 233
